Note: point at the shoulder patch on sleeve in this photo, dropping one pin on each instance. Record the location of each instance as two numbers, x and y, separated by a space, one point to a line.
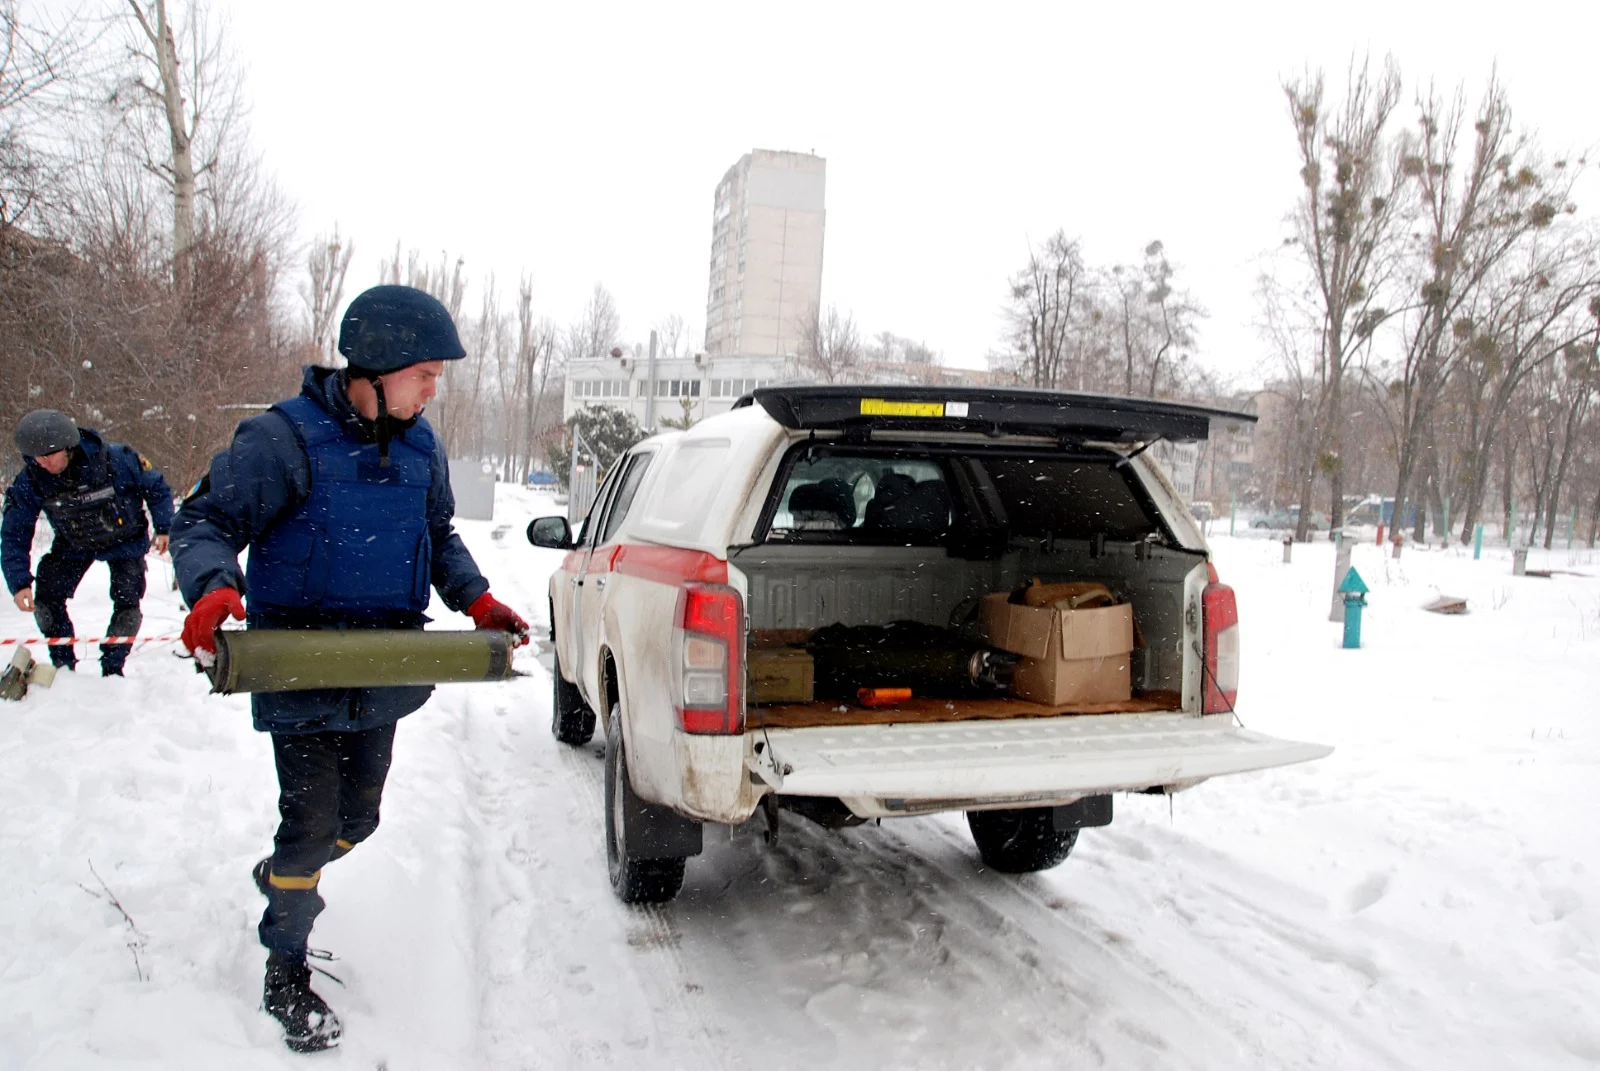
144 462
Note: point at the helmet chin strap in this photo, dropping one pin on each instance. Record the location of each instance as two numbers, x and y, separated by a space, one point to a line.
384 423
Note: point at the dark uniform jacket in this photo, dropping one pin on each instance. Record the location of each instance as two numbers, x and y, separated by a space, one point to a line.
337 540
96 506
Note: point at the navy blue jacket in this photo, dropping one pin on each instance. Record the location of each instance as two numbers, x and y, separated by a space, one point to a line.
260 486
137 486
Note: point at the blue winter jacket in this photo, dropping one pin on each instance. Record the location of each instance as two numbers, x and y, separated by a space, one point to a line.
135 483
355 546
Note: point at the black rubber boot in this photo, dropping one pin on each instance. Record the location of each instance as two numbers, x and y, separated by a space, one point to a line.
308 1023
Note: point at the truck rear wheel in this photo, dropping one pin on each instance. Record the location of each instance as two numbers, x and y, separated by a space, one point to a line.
1020 841
571 720
635 881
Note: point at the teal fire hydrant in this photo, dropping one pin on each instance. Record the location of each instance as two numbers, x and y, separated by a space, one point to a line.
1354 590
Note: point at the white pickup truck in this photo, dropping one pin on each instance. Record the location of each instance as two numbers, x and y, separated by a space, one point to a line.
809 508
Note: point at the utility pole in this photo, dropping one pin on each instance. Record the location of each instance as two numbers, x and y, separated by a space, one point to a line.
650 387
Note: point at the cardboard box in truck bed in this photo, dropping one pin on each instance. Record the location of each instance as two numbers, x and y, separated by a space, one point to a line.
1068 656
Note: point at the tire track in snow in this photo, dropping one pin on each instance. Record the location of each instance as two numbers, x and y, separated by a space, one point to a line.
535 980
1150 956
994 917
1237 902
1088 989
1064 979
650 927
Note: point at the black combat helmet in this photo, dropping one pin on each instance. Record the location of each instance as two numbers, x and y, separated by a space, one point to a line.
44 431
389 328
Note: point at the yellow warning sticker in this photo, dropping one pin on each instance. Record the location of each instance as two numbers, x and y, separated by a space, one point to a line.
884 407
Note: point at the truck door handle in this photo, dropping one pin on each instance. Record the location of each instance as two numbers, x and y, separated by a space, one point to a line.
599 581
576 581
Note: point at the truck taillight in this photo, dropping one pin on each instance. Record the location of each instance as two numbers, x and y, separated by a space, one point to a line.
1221 614
709 668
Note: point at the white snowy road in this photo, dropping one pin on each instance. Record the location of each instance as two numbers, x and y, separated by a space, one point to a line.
1423 898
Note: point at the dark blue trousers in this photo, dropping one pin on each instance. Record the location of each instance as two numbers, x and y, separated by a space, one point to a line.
57 579
329 789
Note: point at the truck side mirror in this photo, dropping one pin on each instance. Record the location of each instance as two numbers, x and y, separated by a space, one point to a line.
551 532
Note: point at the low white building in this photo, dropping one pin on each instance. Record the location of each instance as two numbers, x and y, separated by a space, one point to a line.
670 389
703 385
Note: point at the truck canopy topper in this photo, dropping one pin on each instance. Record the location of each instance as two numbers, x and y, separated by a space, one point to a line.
987 410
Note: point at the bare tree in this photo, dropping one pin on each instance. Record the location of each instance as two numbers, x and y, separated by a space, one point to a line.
1154 323
1345 229
1546 307
1046 297
445 279
108 329
830 345
1477 202
535 353
596 334
33 58
1557 407
468 417
1286 442
323 290
672 337
195 93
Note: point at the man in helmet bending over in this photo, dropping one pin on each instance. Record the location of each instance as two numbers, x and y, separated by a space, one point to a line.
343 496
95 494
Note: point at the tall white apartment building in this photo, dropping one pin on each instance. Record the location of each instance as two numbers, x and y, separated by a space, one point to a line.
766 253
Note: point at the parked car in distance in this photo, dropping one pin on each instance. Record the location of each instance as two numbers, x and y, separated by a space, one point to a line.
1202 511
1370 512
1289 518
540 478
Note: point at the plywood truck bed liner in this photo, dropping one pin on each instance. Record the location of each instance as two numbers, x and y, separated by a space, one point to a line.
824 713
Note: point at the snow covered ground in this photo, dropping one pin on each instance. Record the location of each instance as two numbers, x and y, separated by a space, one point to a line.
1424 898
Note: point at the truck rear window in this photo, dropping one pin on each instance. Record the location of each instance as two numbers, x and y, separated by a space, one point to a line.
1067 498
895 497
973 499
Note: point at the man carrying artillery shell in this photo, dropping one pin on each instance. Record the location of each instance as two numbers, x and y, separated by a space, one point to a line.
95 494
343 496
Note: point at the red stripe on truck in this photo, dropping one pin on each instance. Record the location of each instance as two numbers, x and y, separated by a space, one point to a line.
664 565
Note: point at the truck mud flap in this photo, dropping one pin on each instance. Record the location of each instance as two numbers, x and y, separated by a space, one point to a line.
953 764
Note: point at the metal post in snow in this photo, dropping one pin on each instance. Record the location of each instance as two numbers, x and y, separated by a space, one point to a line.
580 477
650 388
1444 535
1341 566
574 466
1477 541
1233 511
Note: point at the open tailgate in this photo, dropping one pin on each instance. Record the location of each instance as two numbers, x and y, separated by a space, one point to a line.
1041 758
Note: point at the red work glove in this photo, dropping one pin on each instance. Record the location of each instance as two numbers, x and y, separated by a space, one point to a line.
488 612
200 627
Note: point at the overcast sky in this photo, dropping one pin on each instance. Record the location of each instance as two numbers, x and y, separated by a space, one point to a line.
582 142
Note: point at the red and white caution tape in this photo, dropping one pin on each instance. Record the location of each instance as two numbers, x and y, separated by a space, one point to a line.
67 641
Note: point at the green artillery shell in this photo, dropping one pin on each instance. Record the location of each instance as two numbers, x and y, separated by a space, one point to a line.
290 660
